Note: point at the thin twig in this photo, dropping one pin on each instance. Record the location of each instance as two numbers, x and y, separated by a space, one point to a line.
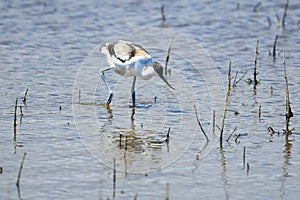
25 95
227 140
236 139
200 124
256 6
270 129
236 82
241 77
225 104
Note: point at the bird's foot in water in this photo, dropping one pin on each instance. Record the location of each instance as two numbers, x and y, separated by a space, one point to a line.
141 105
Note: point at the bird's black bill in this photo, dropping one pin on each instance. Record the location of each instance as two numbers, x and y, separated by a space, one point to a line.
165 80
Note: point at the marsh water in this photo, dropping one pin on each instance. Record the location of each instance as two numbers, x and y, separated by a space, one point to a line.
78 148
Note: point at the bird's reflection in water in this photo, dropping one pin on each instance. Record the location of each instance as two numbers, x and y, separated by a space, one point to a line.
134 143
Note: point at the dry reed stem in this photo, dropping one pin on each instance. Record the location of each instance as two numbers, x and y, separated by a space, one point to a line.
168 57
289 113
15 112
255 65
225 104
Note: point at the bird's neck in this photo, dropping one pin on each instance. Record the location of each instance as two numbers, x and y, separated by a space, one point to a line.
148 72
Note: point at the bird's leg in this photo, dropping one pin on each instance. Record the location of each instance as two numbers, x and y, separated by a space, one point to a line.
133 91
110 92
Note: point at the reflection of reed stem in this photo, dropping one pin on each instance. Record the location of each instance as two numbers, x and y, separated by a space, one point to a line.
20 170
21 114
214 122
285 12
167 191
274 46
168 135
162 10
114 179
255 65
259 113
256 6
15 120
248 168
244 157
79 96
198 120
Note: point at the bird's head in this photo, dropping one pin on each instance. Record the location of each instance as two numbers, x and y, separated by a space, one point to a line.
160 71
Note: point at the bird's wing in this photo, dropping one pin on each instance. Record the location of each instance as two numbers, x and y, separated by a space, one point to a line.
123 51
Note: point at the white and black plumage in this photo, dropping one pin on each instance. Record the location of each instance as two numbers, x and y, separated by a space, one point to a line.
129 59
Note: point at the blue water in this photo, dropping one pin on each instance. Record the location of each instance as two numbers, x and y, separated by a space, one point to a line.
52 48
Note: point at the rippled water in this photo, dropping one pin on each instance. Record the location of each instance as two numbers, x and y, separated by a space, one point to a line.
51 48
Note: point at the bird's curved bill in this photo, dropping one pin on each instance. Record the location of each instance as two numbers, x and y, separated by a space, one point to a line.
165 80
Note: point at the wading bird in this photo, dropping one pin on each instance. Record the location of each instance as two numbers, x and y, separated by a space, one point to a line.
129 59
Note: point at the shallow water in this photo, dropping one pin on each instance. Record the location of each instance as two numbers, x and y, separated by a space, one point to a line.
51 48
